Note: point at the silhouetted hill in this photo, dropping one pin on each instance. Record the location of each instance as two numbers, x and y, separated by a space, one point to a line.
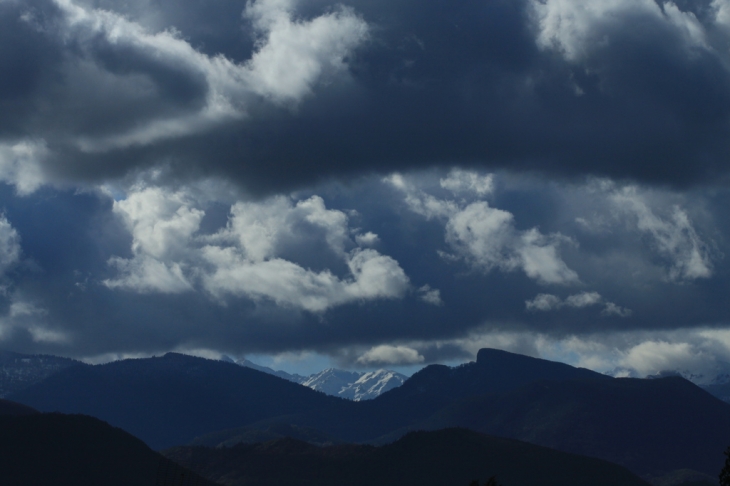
76 450
171 400
649 426
8 407
446 457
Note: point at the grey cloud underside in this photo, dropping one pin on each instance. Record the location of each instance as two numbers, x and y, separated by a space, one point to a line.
433 83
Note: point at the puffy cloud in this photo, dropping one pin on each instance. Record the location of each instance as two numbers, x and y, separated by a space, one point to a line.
244 259
575 27
27 318
161 224
147 274
653 357
390 355
584 299
550 302
10 250
544 302
288 284
430 296
367 239
486 237
468 181
293 55
20 164
674 237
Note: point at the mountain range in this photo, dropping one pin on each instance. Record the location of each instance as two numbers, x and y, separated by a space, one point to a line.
653 427
353 385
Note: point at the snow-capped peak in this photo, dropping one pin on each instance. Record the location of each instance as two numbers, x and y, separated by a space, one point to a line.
353 385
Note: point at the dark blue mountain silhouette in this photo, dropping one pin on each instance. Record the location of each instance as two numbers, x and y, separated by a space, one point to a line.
651 426
445 457
76 450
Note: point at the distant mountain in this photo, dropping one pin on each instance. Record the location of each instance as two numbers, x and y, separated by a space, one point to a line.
281 374
446 457
19 371
76 450
650 426
437 386
170 400
353 385
716 381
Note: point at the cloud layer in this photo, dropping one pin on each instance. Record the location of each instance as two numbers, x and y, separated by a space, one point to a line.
377 182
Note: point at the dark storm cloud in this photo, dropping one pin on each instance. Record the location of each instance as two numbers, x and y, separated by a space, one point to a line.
489 84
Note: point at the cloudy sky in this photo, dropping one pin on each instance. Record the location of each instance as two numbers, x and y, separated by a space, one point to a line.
367 183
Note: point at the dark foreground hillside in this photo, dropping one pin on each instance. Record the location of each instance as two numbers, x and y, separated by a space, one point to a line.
451 457
76 450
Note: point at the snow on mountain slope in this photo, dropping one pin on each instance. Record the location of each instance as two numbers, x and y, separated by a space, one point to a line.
372 384
352 385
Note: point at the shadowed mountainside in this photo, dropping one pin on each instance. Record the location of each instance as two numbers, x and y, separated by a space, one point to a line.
649 426
445 457
170 400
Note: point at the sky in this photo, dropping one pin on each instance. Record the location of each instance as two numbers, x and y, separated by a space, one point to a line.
367 183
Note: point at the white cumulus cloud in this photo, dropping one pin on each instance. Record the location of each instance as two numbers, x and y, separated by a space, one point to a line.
550 302
390 355
244 258
484 236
